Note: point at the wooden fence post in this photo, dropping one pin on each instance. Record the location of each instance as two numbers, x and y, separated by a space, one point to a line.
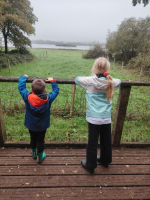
72 98
120 114
25 62
122 65
141 72
114 62
2 127
9 66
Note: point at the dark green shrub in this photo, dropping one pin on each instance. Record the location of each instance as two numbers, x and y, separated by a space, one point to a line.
140 62
14 59
96 51
23 50
14 51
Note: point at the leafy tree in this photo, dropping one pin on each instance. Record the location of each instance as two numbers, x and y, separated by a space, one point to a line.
111 43
16 20
145 2
131 38
144 34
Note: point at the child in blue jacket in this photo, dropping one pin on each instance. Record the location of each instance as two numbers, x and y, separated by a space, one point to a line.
37 116
99 92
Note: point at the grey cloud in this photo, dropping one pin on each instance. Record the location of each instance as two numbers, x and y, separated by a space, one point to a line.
82 20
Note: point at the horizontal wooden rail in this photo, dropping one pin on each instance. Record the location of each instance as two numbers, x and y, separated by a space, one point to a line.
135 83
30 79
71 81
81 145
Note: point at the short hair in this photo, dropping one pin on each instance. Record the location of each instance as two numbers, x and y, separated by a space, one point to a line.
38 86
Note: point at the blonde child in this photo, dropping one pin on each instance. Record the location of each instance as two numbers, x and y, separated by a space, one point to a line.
99 93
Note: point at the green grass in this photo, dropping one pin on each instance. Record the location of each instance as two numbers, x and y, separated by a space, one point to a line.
66 64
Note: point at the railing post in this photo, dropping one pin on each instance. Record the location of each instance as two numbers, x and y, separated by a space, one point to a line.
120 114
72 98
9 66
2 127
25 62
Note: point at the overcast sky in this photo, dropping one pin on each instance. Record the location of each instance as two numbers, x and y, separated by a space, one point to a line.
82 20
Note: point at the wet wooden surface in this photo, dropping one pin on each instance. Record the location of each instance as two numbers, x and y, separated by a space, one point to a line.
60 175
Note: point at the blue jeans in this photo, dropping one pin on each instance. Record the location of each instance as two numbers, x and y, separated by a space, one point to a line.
104 131
37 140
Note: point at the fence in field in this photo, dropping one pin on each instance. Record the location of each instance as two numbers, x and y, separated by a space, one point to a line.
129 111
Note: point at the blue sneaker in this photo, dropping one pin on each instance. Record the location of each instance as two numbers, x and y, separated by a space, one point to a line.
40 157
34 153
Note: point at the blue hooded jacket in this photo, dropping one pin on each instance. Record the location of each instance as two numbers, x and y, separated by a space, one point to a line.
37 117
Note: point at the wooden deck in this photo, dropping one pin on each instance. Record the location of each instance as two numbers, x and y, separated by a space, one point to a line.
61 176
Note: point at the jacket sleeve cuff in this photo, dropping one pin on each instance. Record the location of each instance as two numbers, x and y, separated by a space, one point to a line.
54 80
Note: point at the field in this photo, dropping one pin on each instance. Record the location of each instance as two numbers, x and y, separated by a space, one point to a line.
66 64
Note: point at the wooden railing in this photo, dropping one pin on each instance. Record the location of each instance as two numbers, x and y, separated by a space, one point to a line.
122 103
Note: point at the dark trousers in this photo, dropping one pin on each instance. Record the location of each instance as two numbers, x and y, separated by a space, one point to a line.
37 140
104 131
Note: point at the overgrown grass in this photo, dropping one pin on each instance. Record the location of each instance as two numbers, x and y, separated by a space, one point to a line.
66 64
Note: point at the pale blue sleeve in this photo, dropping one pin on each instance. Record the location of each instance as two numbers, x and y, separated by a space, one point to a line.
117 83
82 81
77 81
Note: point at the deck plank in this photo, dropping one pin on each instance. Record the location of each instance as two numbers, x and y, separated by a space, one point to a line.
72 169
71 160
81 193
74 181
126 152
61 176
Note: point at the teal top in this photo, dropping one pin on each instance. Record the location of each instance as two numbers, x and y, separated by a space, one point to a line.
96 88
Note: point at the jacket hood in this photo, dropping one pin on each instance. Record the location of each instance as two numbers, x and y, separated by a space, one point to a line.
99 82
37 101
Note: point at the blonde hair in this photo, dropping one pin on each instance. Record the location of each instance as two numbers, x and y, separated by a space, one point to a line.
100 66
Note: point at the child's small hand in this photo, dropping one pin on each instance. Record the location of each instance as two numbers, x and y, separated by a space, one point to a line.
49 79
26 75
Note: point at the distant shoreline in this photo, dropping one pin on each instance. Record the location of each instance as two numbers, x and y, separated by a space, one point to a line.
52 48
65 45
61 43
59 49
46 46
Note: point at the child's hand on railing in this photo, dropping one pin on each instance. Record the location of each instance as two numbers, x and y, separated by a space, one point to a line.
49 79
26 75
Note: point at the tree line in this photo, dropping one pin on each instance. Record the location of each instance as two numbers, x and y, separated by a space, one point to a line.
16 22
131 38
